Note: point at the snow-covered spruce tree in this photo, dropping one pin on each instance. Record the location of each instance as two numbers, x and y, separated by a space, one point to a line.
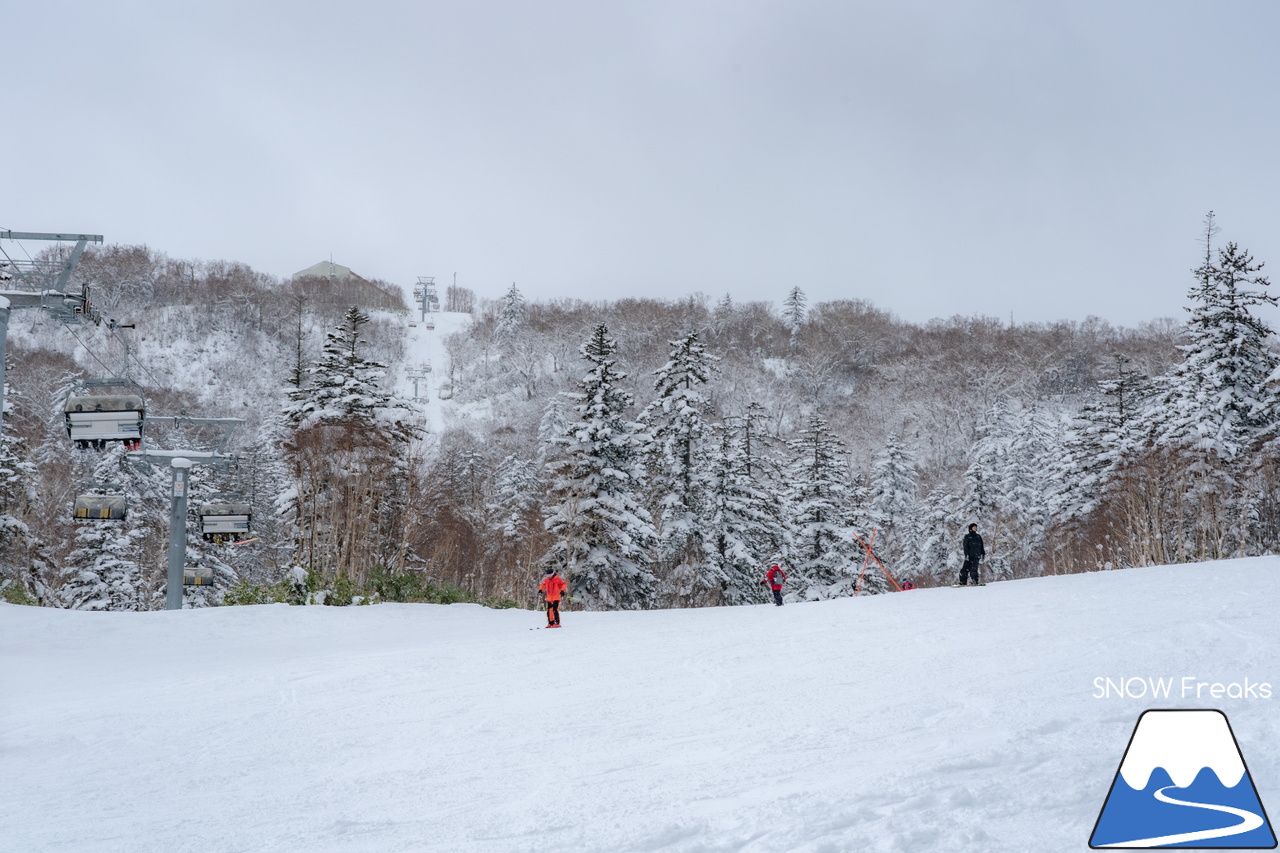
793 312
18 545
515 514
511 316
111 566
1035 442
102 571
1106 432
984 482
201 553
517 488
818 493
344 388
350 456
677 469
522 355
937 549
1264 476
1216 403
264 480
603 534
745 527
893 504
862 525
1215 410
553 429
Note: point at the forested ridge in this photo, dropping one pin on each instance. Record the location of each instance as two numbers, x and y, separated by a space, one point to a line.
659 453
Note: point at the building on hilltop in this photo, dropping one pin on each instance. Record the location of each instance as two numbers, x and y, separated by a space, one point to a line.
330 283
329 270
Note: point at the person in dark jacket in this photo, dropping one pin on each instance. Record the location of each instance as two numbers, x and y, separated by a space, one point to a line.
973 554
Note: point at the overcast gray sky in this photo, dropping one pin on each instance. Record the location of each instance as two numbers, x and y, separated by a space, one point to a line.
1050 160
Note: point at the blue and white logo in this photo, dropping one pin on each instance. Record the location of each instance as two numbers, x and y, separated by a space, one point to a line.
1183 783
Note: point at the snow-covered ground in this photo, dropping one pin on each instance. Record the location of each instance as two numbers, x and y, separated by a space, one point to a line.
932 720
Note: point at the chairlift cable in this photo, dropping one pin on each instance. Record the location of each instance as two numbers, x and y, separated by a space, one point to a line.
17 270
86 347
24 251
138 362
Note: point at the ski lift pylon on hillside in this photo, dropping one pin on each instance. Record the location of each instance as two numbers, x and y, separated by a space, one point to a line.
94 419
225 517
101 507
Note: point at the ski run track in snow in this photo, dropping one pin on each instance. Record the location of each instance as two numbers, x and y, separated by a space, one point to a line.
930 720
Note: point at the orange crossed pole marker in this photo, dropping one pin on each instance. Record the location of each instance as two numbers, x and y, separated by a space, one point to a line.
867 561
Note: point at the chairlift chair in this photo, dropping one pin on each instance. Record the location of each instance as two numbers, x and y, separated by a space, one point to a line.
197 576
98 418
224 519
101 507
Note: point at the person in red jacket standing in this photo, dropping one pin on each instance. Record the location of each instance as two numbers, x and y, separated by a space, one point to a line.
775 578
552 588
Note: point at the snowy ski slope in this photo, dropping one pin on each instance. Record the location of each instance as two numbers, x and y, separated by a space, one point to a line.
933 720
425 345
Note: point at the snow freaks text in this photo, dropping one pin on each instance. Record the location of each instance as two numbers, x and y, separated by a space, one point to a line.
1186 687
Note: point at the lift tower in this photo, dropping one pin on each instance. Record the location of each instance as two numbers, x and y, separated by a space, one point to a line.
424 293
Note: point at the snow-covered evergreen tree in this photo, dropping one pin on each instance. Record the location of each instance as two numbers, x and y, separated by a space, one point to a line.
793 312
603 534
344 388
553 429
1026 483
986 464
824 549
745 526
893 502
102 571
1105 433
511 316
938 556
1216 404
18 544
350 456
266 484
517 492
677 466
106 569
202 554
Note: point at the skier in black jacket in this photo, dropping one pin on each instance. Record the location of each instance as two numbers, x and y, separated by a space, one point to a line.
973 554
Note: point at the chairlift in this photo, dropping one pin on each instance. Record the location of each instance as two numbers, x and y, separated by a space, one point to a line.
101 507
93 419
197 575
221 520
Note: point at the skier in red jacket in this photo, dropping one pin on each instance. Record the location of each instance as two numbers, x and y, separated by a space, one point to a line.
552 588
775 578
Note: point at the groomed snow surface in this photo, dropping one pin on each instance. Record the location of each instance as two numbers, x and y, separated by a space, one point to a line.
948 720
